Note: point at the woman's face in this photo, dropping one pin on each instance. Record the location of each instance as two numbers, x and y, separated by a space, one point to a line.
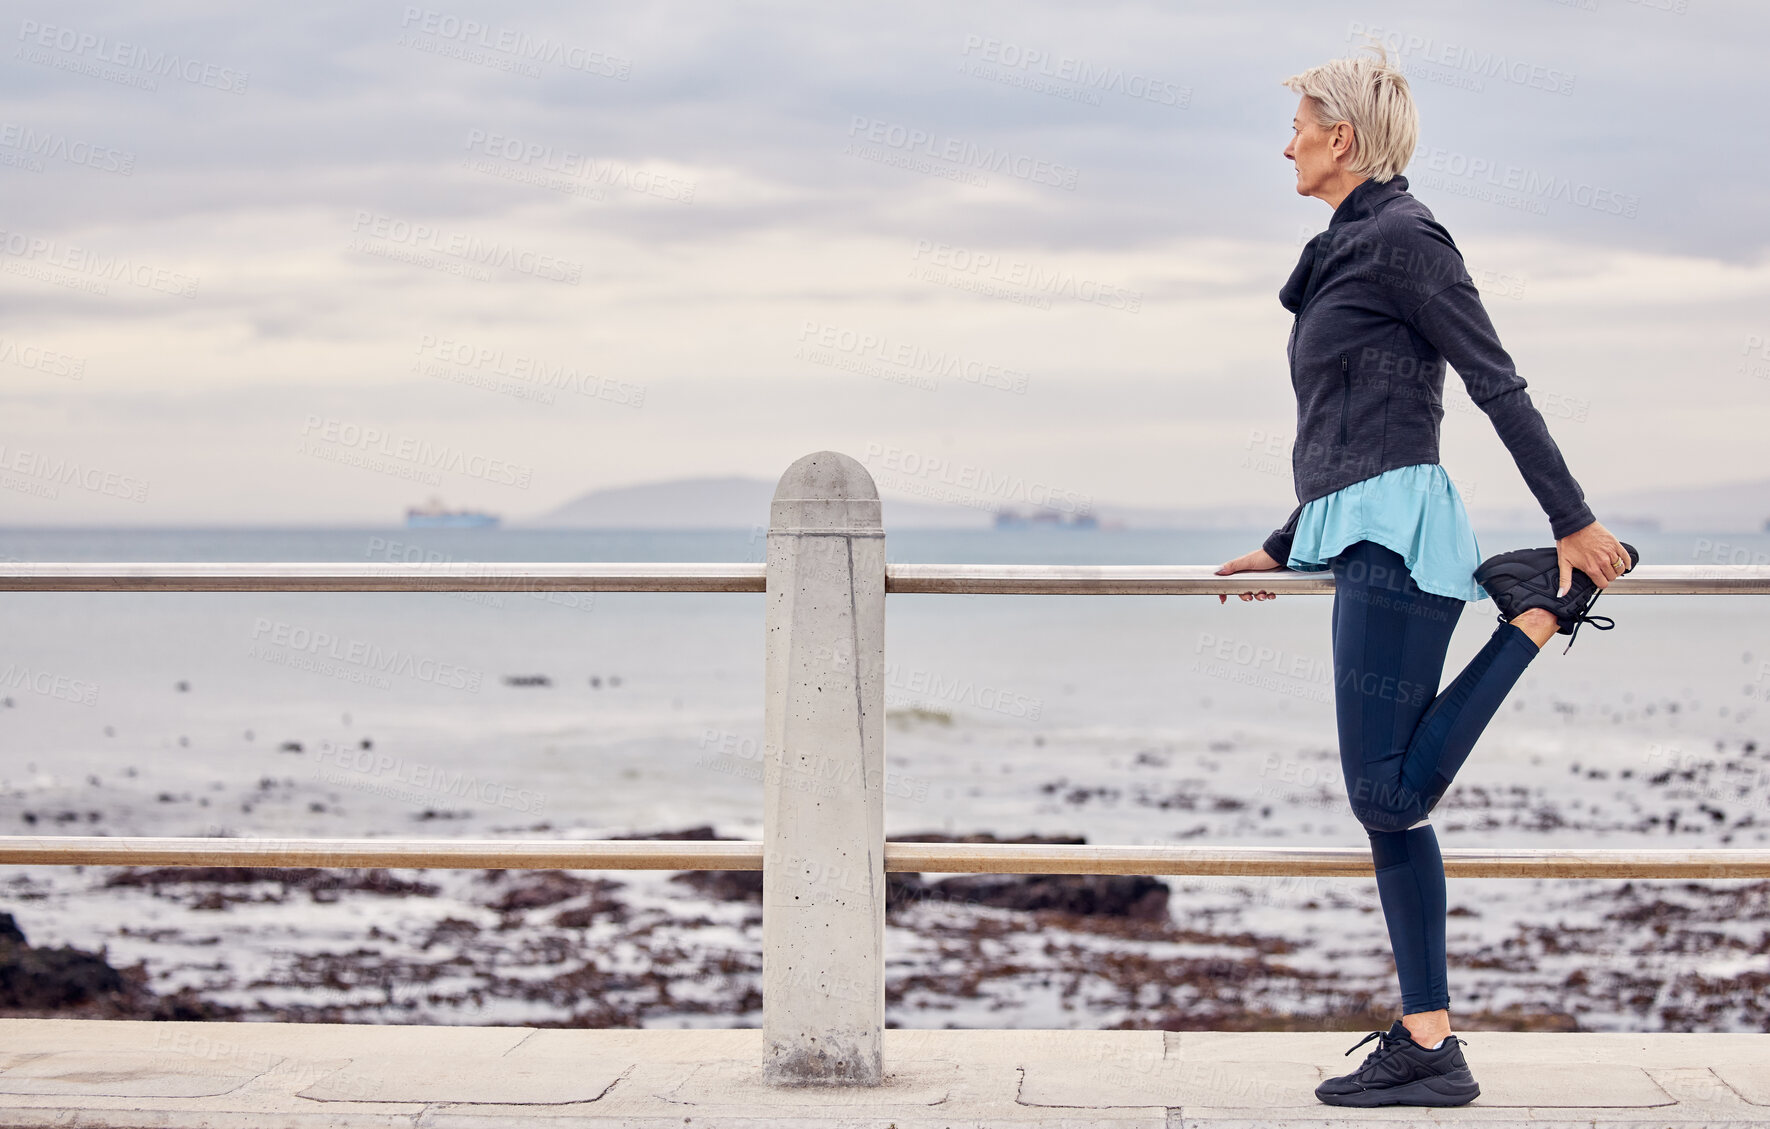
1317 152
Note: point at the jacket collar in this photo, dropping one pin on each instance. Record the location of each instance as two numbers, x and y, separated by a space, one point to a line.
1364 201
1360 203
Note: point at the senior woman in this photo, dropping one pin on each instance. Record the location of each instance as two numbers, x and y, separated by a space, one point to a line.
1382 304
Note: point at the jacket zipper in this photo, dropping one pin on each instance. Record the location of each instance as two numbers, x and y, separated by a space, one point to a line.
1345 397
1291 350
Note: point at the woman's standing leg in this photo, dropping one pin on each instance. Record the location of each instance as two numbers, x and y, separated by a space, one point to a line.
1401 742
1389 648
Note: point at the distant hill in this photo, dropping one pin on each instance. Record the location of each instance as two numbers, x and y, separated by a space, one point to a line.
723 503
1731 507
736 502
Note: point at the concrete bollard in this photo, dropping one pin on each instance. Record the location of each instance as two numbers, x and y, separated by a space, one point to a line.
823 809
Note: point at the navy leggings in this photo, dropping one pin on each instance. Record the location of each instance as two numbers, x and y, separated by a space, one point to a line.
1402 742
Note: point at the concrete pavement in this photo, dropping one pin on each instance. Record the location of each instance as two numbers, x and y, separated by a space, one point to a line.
222 1075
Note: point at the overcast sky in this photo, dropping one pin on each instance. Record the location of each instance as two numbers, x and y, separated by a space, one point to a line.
309 262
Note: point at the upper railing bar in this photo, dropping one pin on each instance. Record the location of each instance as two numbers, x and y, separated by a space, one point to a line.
452 576
1165 580
979 579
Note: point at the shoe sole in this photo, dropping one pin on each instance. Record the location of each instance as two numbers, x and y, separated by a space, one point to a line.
1453 1089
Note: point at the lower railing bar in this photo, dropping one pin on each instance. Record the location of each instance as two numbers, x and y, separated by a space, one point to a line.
1467 862
953 858
487 854
1180 580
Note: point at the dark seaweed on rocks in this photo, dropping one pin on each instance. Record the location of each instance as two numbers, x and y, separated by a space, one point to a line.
538 889
66 981
722 885
50 978
322 885
1134 896
725 885
703 831
1139 897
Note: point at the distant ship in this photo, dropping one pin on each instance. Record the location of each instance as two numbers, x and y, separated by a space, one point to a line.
433 515
1044 518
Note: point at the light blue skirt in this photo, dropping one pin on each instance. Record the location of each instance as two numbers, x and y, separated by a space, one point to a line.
1414 511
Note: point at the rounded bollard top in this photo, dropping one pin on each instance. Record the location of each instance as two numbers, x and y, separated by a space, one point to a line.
826 490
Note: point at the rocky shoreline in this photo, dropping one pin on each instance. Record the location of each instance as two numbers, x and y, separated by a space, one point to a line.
564 949
641 948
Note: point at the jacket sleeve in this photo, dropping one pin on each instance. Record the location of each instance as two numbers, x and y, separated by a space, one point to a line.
1453 320
1278 542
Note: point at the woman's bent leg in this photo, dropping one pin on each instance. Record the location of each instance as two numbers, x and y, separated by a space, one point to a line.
1401 741
1454 721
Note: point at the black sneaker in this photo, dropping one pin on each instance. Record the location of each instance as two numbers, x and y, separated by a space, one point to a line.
1528 578
1401 1072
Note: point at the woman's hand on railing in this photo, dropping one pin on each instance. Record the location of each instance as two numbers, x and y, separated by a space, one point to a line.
1258 560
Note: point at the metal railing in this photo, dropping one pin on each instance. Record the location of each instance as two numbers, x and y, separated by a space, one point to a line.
924 579
823 862
937 858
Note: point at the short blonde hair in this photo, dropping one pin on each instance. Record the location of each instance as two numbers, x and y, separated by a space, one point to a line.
1372 95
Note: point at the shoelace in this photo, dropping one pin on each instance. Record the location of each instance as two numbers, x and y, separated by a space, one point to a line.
1583 616
1579 618
1384 1044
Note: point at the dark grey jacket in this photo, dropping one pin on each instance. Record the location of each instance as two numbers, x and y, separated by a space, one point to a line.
1383 303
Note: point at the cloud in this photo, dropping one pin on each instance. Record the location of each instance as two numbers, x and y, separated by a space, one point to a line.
665 196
